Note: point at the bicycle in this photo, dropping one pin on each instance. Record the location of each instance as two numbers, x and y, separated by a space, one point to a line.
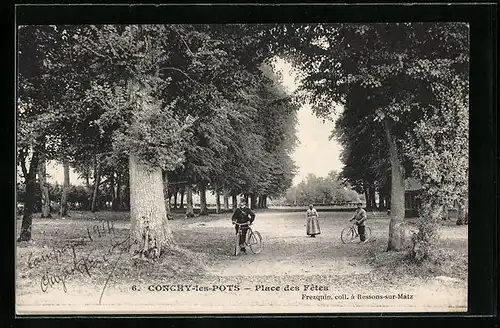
350 234
253 239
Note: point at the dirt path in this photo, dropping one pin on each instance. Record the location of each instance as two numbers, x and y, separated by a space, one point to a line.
288 251
327 276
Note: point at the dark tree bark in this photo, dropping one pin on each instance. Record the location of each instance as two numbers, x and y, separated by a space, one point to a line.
65 191
202 186
264 201
174 193
253 201
166 193
87 180
381 201
189 201
114 200
365 192
463 217
181 192
126 194
217 199
29 198
371 195
97 181
234 200
226 200
118 192
396 225
44 187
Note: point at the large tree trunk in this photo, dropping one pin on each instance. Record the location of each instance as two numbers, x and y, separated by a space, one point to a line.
181 192
126 194
149 224
44 187
112 182
365 191
396 225
426 240
253 201
174 192
226 200
203 198
65 191
371 195
118 192
264 201
189 201
381 201
29 198
463 216
217 199
166 193
234 200
97 181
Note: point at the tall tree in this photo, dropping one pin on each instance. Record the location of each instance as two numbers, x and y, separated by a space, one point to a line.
65 191
136 115
41 84
398 64
44 186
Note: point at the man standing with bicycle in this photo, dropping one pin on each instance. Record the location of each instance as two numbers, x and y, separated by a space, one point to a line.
242 214
359 219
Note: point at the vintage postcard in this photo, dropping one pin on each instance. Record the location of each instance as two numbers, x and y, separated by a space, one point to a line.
242 168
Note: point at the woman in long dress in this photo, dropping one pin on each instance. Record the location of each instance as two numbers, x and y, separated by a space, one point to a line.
312 225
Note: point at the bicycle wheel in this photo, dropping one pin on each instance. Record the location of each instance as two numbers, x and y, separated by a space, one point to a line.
237 245
254 240
347 235
368 232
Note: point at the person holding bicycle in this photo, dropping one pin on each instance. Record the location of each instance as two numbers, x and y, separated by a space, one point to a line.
242 214
359 219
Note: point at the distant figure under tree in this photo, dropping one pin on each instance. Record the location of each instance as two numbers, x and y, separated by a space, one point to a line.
359 219
312 223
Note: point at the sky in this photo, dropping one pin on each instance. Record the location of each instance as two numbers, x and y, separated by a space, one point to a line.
315 153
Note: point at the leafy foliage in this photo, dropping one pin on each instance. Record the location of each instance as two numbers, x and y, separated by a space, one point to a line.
409 73
321 190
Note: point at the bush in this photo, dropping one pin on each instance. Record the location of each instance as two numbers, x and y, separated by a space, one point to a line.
425 242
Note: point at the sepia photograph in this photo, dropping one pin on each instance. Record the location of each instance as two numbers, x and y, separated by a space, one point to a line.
242 168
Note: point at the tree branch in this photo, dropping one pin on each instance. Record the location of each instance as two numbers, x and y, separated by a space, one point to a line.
180 71
182 39
22 163
93 51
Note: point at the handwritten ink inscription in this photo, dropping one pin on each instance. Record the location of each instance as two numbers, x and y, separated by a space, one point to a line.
83 256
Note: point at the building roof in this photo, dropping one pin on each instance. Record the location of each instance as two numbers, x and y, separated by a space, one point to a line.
411 184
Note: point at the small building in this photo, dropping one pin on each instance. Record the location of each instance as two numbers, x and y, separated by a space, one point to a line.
412 189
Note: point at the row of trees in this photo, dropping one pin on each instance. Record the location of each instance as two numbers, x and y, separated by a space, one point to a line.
147 109
192 104
404 89
321 190
78 197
